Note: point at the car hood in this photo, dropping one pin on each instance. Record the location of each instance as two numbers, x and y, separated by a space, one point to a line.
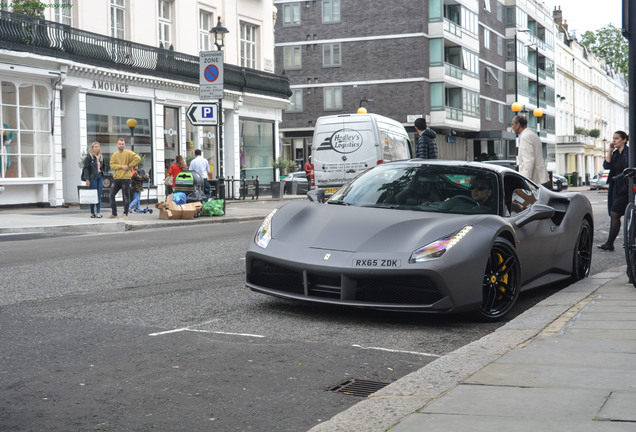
362 229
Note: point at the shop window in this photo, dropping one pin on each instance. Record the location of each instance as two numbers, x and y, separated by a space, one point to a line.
106 121
209 147
25 116
256 141
171 146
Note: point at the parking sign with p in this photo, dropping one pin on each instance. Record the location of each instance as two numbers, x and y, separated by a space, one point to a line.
203 113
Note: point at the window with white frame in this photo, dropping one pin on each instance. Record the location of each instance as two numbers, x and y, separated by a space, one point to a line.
486 38
488 109
205 24
165 23
332 98
499 45
248 45
487 5
331 55
117 19
330 11
25 150
501 113
291 14
62 13
296 100
292 57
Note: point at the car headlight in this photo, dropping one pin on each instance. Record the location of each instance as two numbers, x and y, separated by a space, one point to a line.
439 247
264 233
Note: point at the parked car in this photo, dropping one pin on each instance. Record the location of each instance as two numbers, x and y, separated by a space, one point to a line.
600 180
559 183
386 240
297 177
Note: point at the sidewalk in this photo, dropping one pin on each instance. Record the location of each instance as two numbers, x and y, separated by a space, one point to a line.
567 364
75 220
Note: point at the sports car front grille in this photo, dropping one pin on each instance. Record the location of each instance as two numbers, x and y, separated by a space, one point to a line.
276 277
399 290
394 290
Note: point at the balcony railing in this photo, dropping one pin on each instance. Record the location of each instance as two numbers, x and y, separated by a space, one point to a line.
454 113
24 33
453 71
452 27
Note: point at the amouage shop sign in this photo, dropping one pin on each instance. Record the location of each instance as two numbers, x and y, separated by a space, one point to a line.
113 87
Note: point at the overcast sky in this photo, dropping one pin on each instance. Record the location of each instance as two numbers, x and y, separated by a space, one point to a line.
583 15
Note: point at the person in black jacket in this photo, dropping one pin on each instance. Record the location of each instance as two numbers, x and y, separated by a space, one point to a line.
616 161
426 147
93 175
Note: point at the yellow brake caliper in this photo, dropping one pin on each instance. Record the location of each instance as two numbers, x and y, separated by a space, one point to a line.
503 279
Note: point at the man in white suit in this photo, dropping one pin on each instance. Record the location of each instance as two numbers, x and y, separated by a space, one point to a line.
531 162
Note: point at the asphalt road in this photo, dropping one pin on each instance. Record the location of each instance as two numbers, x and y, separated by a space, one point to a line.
154 330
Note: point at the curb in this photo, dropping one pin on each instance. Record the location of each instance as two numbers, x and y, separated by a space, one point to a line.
392 404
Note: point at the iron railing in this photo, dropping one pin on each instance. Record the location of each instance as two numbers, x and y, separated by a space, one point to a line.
25 33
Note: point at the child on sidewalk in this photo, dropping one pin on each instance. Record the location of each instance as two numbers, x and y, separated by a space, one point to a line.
136 187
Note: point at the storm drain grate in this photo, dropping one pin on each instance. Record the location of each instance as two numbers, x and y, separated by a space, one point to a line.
356 387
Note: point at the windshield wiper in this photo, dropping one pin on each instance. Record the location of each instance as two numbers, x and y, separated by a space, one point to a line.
339 202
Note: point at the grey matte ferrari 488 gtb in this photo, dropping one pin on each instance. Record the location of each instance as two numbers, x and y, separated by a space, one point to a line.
427 236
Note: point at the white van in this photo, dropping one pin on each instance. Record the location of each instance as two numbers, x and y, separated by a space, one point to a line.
348 144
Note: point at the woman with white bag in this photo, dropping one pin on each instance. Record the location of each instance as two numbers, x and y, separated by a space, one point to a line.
93 175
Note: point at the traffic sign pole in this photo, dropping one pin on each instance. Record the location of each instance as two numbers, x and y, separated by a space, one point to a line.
211 87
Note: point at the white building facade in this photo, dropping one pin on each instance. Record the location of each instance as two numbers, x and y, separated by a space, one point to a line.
80 74
591 99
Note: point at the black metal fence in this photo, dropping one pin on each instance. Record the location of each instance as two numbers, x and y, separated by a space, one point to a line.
25 33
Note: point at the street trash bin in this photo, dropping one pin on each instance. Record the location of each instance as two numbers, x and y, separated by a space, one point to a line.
277 190
575 179
187 181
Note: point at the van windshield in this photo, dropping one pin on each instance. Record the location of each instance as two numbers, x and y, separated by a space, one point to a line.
395 145
441 189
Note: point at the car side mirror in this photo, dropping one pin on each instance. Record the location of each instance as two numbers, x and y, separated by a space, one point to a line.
537 212
316 195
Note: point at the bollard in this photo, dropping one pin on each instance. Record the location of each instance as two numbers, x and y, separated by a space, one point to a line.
221 188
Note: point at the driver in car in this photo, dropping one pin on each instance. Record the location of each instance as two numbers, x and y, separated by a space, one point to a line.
481 190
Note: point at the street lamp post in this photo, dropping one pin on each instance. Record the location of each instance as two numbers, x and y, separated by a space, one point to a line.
219 38
132 124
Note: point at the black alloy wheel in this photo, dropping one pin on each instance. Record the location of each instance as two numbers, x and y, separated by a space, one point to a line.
629 244
501 284
583 252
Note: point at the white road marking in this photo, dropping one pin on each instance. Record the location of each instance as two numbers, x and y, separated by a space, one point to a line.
395 351
204 331
168 332
227 333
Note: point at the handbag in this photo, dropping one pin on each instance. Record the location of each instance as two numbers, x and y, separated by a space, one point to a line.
168 180
88 196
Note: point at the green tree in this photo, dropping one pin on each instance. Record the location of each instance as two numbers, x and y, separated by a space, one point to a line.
609 44
27 7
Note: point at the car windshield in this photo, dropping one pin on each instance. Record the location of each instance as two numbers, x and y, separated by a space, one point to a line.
430 188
